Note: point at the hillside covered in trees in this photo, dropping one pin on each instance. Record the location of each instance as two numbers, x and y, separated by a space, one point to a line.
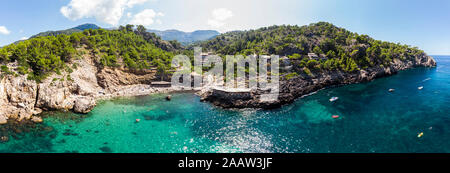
136 48
126 47
123 62
337 48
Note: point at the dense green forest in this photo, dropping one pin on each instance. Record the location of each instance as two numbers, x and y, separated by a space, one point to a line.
340 49
134 48
126 47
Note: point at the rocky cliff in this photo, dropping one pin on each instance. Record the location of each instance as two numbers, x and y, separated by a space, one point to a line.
78 91
303 84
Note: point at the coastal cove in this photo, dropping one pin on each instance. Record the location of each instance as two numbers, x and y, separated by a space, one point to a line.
371 119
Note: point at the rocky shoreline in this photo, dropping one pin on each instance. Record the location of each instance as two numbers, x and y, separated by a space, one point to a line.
23 99
302 85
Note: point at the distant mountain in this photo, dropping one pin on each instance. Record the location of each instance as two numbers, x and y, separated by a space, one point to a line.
186 37
148 36
67 31
87 26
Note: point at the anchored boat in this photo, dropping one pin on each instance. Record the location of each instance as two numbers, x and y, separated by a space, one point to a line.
333 99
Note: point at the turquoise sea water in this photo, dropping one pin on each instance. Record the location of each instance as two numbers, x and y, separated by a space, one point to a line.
371 120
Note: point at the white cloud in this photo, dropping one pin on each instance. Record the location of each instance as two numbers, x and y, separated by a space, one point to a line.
131 3
146 18
219 16
4 30
24 38
177 25
222 14
107 11
215 23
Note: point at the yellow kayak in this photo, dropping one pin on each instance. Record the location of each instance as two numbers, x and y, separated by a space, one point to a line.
420 135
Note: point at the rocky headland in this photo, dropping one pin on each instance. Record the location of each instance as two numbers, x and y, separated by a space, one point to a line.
291 89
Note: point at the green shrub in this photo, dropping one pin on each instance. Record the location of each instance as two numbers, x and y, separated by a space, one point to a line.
307 71
291 75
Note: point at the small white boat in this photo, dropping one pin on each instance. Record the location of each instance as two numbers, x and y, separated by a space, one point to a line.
334 99
420 88
391 90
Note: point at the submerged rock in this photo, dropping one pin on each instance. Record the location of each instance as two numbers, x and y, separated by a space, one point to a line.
106 149
36 119
67 133
169 97
17 130
147 117
4 139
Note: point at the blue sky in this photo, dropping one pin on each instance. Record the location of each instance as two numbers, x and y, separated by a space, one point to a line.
422 23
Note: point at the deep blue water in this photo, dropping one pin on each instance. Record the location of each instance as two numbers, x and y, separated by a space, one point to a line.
372 119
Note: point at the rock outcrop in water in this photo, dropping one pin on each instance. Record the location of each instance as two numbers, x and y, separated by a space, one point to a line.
84 105
302 85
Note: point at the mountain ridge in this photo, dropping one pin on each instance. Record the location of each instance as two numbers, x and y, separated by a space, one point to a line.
69 31
185 37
